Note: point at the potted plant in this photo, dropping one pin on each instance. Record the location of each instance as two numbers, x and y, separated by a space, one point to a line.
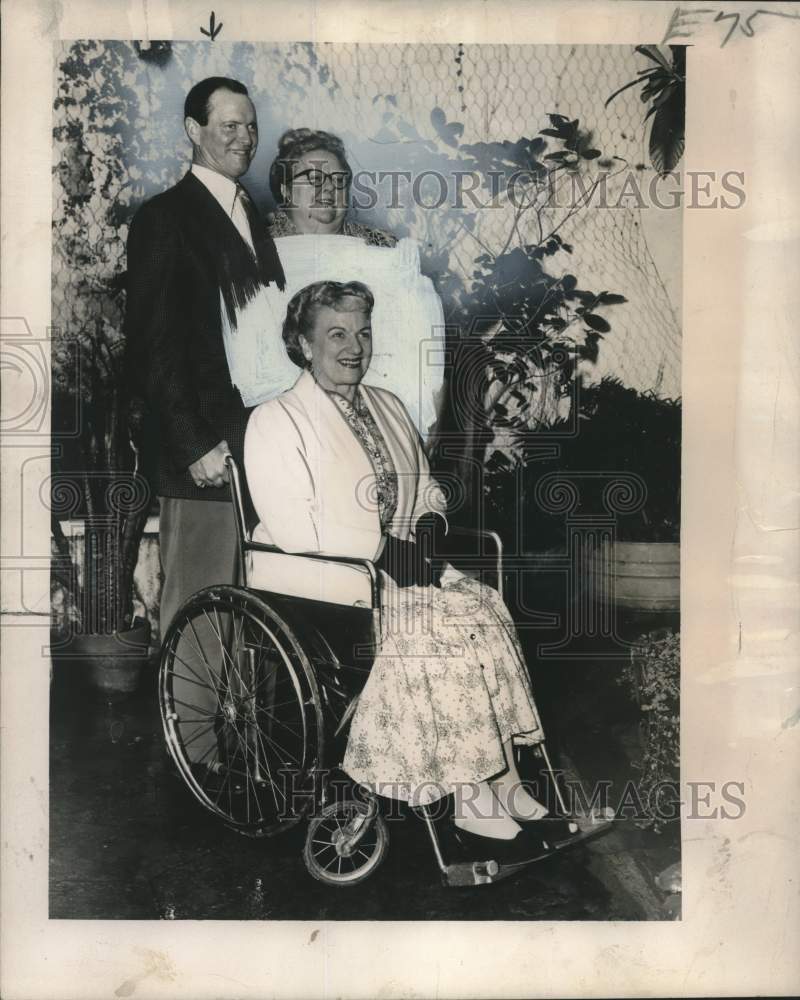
652 678
96 481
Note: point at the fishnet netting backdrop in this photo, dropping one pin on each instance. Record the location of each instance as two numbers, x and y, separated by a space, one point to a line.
118 139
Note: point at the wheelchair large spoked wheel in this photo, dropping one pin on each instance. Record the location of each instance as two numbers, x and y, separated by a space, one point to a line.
241 710
345 843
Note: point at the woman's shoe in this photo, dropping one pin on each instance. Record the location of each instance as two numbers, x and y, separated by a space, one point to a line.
526 846
554 831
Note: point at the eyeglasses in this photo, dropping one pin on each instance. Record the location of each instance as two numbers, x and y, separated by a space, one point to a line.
317 178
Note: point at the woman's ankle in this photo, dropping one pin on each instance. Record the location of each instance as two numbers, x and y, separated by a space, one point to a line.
480 812
517 801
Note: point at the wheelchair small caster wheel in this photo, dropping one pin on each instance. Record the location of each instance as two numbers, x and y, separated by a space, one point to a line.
345 843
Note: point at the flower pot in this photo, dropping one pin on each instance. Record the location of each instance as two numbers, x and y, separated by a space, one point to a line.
647 575
112 664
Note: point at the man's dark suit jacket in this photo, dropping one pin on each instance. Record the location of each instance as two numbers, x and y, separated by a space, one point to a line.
175 356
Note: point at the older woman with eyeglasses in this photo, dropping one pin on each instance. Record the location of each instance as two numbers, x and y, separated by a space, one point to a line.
310 180
316 240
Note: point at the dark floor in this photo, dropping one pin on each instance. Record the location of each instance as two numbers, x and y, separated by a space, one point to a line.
128 841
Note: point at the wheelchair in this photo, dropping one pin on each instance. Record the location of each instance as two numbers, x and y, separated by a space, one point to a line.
257 686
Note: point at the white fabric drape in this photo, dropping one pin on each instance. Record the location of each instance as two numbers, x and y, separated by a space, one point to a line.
407 322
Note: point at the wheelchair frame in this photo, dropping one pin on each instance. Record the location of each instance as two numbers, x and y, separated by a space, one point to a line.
241 720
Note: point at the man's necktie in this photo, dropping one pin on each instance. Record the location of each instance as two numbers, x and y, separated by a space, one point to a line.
239 216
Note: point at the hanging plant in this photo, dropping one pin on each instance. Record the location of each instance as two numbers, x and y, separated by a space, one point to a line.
664 86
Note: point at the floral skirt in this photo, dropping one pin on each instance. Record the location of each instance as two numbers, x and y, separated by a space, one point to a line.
447 689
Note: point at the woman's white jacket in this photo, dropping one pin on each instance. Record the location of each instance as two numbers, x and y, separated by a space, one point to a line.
313 486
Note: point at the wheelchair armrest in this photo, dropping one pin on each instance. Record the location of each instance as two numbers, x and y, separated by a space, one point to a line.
247 545
365 564
496 544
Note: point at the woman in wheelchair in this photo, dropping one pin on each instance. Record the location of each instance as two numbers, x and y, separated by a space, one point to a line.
335 466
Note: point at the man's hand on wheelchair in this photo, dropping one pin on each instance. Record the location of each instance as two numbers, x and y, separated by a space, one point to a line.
211 470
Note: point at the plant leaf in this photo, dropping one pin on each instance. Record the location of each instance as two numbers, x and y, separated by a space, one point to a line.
652 52
630 83
596 322
667 140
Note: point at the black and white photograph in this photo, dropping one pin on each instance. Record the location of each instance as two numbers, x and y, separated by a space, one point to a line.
366 559
397 476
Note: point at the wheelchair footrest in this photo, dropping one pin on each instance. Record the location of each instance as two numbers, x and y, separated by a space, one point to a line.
486 872
471 873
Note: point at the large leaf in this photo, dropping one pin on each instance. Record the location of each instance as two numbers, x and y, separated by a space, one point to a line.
667 140
596 322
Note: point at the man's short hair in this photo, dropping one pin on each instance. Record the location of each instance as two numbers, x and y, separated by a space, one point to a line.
197 100
302 309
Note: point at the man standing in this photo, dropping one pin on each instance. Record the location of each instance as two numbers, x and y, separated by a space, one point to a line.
193 251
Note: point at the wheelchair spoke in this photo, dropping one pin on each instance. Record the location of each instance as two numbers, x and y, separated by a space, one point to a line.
199 761
266 711
226 783
196 708
252 784
272 784
282 704
236 638
322 850
239 739
197 676
198 734
188 680
234 657
218 633
235 694
282 751
198 648
208 687
214 682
